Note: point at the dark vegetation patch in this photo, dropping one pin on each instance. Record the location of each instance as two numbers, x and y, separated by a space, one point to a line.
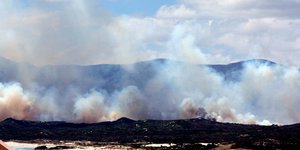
125 131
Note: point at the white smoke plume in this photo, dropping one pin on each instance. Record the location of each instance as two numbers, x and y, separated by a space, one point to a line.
14 102
264 94
90 107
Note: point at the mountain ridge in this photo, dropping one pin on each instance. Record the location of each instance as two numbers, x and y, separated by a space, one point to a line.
161 60
51 75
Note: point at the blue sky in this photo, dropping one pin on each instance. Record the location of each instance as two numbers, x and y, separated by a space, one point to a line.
135 7
117 7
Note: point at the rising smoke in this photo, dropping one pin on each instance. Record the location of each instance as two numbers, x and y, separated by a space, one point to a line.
264 94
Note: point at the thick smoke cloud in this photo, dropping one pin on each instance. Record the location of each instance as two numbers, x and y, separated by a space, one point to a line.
83 32
264 94
15 102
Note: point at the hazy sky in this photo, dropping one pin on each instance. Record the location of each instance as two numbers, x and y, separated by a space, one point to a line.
125 31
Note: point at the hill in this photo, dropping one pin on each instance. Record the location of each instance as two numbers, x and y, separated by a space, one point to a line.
126 130
110 77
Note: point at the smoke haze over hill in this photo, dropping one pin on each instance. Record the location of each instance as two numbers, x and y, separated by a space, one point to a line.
254 91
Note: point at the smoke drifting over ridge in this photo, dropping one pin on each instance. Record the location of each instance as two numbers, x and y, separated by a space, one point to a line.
262 93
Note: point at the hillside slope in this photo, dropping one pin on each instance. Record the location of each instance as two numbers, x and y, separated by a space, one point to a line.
126 130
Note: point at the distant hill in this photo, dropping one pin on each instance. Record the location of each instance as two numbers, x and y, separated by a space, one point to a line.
104 76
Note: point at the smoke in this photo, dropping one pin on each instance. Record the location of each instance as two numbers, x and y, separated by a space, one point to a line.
15 103
189 110
264 94
90 107
81 32
132 103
